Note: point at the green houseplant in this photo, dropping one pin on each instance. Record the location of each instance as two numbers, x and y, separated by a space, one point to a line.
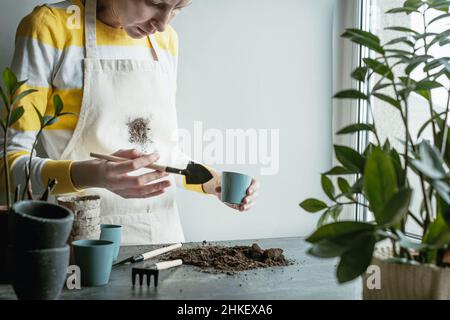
378 178
11 112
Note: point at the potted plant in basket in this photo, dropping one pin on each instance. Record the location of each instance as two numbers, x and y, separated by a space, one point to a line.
33 232
378 178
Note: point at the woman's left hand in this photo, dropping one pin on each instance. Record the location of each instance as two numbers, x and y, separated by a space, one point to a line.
214 187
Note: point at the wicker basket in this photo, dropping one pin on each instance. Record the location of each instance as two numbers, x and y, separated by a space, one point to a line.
407 282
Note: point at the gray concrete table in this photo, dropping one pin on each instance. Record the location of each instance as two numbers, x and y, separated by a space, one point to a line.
307 278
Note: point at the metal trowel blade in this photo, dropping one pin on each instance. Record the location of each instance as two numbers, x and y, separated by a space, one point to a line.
196 173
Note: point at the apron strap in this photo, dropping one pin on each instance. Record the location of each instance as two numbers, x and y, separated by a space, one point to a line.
90 28
153 48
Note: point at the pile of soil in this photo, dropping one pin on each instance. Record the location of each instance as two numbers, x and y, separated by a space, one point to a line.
230 260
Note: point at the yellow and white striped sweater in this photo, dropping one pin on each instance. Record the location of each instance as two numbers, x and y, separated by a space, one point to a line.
49 53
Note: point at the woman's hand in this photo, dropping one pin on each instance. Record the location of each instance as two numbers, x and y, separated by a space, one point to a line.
214 187
114 176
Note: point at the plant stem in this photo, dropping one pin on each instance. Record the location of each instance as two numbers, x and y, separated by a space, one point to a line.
355 202
422 180
5 162
28 175
406 139
430 101
369 106
445 136
420 223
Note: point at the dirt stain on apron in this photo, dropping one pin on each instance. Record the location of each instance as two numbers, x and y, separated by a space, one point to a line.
139 132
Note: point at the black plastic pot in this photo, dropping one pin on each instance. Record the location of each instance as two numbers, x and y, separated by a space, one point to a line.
4 279
39 274
39 225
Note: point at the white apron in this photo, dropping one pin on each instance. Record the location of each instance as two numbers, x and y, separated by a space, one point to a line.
119 95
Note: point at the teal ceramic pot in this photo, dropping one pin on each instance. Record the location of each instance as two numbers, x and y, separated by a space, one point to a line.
94 257
111 232
234 187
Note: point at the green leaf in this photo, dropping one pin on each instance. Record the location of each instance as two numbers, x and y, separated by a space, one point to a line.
360 74
365 39
430 162
4 98
23 95
355 261
10 81
388 99
350 94
323 218
313 205
396 208
340 171
381 86
425 35
356 128
428 122
58 104
442 16
440 37
50 120
344 186
339 229
407 10
405 40
16 114
416 4
358 186
398 166
438 233
67 114
17 86
443 209
400 52
39 114
402 29
407 243
415 62
327 249
379 68
380 180
332 212
350 158
335 211
443 189
328 187
439 5
427 85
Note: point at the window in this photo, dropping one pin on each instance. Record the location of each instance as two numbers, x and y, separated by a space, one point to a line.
387 119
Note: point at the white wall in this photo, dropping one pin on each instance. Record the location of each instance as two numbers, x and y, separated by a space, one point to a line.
10 14
250 64
259 64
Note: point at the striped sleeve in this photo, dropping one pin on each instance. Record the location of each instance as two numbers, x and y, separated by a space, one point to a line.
35 60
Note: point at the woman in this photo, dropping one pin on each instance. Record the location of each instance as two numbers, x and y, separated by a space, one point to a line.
117 72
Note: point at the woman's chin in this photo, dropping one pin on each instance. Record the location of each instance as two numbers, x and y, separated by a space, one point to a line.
134 34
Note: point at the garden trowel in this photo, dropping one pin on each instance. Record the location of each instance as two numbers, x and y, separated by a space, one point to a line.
195 173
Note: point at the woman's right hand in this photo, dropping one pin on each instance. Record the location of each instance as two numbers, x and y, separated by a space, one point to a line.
114 176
